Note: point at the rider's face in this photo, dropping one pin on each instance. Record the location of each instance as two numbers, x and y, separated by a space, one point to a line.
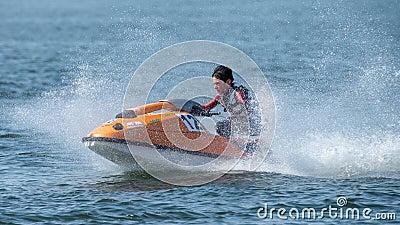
220 86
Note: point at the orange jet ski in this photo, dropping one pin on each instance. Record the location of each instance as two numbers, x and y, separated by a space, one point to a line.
172 127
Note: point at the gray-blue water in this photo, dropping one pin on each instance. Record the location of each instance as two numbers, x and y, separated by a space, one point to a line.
333 67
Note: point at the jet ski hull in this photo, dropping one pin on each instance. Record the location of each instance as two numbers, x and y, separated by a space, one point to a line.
124 153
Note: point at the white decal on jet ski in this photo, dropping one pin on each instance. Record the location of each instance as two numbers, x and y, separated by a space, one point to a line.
134 124
191 122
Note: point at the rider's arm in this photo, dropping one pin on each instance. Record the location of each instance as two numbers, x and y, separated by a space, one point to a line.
211 104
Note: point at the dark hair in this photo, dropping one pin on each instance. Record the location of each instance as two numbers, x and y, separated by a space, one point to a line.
223 73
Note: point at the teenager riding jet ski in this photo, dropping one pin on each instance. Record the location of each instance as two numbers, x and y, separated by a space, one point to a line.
238 101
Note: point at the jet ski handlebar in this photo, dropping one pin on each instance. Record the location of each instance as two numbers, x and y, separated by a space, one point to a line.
209 114
197 110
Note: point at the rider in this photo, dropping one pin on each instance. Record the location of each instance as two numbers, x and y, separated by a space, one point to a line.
237 100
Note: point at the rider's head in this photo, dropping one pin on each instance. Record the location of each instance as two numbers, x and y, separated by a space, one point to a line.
223 73
222 79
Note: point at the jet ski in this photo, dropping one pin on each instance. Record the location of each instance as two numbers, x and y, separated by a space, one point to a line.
172 127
